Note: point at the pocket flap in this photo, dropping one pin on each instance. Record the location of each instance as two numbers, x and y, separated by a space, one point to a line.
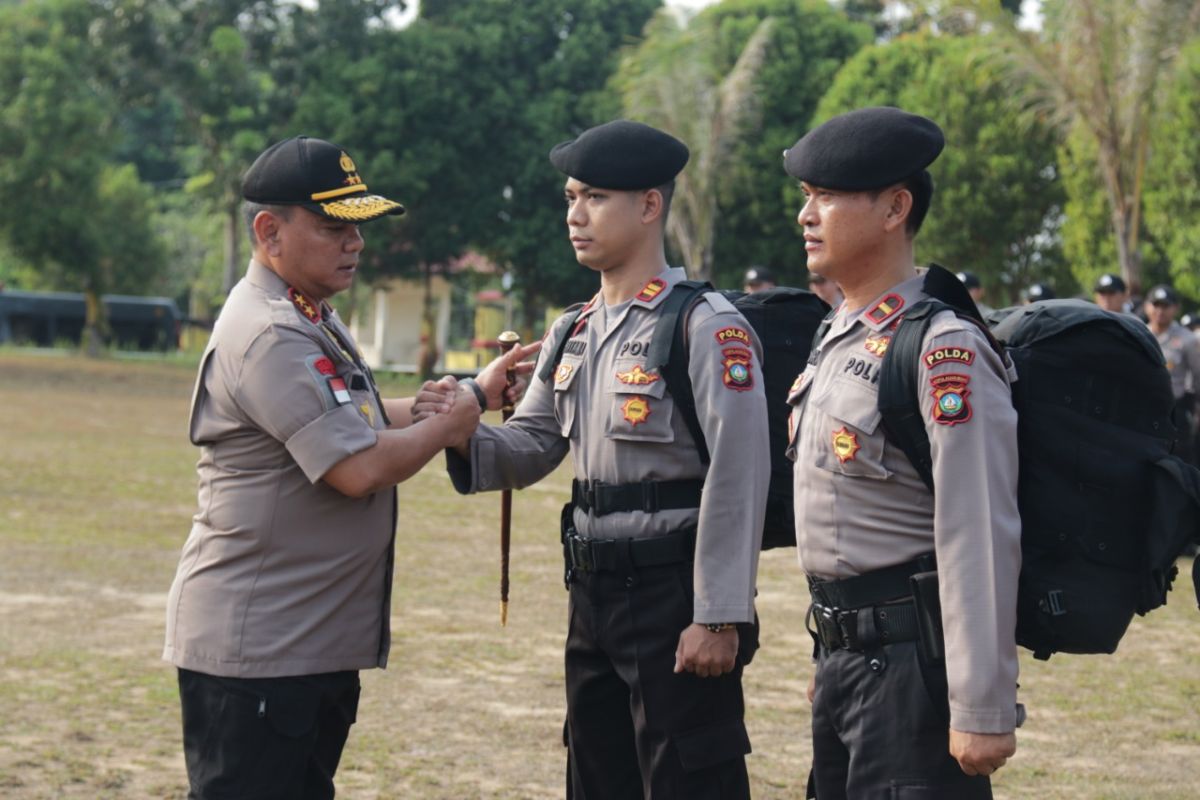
850 401
703 747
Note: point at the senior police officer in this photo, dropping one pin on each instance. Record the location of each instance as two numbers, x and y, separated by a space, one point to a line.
661 575
283 589
886 721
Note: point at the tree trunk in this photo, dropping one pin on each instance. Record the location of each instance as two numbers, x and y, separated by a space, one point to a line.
95 324
1128 254
428 354
233 261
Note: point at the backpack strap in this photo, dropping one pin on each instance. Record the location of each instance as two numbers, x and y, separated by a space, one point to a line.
903 424
670 336
560 346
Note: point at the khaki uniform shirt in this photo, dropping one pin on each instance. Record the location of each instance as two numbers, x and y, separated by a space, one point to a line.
861 506
1182 352
281 574
621 426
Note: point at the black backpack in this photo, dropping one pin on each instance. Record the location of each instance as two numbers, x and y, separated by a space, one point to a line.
1106 508
785 321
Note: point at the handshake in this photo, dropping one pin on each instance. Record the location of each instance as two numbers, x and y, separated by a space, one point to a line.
500 383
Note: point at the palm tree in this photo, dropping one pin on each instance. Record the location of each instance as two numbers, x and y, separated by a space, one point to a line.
670 82
1098 68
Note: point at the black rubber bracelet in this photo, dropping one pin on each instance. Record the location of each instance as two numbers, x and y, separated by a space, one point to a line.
478 390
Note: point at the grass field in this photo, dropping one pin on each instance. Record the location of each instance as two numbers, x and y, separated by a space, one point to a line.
97 486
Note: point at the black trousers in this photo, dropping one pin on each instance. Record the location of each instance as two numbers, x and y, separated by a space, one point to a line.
265 738
635 729
885 734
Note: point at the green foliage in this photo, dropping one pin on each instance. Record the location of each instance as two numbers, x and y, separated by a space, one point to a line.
997 195
809 43
1173 185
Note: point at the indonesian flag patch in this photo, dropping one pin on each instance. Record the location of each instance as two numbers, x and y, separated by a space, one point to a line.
340 393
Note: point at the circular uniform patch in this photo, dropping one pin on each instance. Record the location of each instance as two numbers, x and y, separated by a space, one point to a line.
845 444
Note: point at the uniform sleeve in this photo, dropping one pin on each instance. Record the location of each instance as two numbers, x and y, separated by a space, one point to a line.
725 365
284 389
967 405
1191 351
523 450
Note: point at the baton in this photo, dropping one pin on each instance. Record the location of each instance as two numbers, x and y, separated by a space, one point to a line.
508 340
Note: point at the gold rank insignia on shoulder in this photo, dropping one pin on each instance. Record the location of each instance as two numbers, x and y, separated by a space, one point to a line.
305 306
883 310
638 376
651 290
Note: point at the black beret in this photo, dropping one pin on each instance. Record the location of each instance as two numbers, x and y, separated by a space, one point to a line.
621 155
1109 283
865 149
1163 295
969 280
759 275
316 175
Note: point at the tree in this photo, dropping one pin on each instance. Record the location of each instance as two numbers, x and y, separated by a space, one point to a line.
1097 70
85 223
808 44
671 82
997 194
1173 185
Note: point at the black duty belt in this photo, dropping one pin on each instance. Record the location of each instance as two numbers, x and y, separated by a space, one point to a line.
870 610
600 498
606 555
861 629
871 588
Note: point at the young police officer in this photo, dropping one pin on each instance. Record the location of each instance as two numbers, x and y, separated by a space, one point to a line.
885 724
660 574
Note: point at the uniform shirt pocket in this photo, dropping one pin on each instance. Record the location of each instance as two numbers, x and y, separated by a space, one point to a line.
641 409
853 441
565 401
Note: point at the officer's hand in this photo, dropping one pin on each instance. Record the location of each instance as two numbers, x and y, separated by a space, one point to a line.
982 753
493 378
706 653
434 397
463 418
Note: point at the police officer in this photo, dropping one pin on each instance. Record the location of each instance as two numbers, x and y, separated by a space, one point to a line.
888 718
1037 291
1182 352
825 289
1111 294
661 575
758 279
283 589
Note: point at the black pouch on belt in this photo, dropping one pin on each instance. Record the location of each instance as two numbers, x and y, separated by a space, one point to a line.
929 617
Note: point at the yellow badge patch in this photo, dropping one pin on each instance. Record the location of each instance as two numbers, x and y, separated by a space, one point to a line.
651 290
845 444
636 410
562 373
637 376
878 344
368 412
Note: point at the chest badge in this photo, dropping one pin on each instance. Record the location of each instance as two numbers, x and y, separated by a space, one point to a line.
636 410
950 406
562 373
877 344
637 376
368 412
845 444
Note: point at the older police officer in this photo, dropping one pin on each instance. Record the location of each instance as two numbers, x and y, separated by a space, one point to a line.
283 588
885 722
661 574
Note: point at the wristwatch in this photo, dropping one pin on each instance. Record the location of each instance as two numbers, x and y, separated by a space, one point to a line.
717 627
